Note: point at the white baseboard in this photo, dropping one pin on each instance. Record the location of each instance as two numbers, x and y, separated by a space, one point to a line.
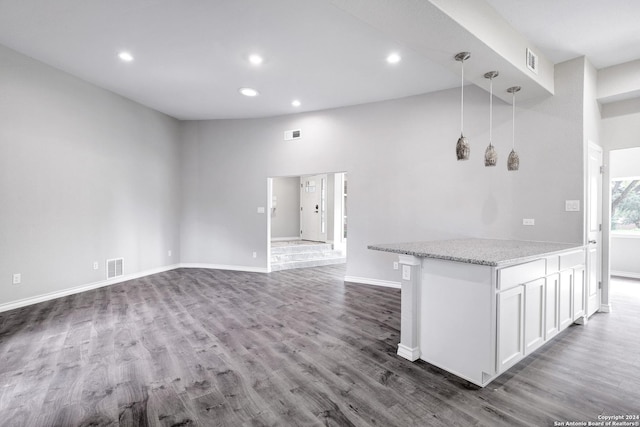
95 285
226 267
629 274
374 282
285 239
82 288
605 308
411 354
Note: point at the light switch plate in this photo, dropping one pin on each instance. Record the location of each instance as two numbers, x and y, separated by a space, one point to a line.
261 209
572 205
528 221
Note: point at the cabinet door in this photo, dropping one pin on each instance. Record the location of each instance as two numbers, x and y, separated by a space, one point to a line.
565 299
510 327
551 306
578 293
534 315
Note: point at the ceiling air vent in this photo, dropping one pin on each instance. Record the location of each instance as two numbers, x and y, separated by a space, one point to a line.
115 267
292 134
532 61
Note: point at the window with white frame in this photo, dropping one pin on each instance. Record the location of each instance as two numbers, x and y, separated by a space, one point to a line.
625 206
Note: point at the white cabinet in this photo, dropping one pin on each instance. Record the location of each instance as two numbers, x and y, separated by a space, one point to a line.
510 327
565 299
478 320
534 315
521 273
521 322
552 320
535 303
579 306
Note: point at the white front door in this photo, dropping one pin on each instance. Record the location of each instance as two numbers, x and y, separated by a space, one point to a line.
313 207
594 229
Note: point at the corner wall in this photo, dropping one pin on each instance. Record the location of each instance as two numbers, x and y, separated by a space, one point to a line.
285 215
404 181
85 175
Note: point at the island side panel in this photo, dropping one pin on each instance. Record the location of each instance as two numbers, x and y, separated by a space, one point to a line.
457 318
411 268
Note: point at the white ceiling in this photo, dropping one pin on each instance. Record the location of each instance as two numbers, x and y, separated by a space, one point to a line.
191 56
606 32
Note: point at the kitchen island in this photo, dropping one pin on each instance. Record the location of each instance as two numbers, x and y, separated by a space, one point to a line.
475 307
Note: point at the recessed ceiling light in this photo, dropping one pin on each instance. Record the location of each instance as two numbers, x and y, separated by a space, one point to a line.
255 59
125 56
295 103
247 91
393 58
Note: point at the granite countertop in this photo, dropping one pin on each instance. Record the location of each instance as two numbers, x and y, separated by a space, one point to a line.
490 252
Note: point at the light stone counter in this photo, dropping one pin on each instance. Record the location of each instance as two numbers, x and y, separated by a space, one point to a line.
491 252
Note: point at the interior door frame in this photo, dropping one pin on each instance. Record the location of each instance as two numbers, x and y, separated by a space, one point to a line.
602 269
338 238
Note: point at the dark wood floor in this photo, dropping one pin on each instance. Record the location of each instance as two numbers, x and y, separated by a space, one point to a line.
298 347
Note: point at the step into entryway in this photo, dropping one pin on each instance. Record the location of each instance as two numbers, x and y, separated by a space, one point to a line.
303 253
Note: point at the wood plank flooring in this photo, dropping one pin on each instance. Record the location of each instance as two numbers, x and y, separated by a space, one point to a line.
292 348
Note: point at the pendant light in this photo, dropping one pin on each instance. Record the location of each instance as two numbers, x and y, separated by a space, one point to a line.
462 147
490 155
513 162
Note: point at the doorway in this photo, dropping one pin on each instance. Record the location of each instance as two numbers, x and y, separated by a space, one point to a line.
594 229
624 173
307 220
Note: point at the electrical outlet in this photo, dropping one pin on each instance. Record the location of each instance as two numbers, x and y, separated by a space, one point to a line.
406 272
96 265
17 279
395 265
169 252
255 254
528 221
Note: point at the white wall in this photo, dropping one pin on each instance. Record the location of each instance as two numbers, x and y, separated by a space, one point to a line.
625 256
618 132
85 175
625 163
404 181
285 218
625 250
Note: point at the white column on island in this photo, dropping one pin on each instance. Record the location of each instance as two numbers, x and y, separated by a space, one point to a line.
411 268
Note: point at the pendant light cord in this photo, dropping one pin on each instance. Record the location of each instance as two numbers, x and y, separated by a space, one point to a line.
490 109
513 120
462 99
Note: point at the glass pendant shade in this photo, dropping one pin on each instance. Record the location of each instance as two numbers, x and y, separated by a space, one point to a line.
490 154
513 162
462 147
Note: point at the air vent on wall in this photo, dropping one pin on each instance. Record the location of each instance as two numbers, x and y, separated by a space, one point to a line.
532 61
292 134
115 267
